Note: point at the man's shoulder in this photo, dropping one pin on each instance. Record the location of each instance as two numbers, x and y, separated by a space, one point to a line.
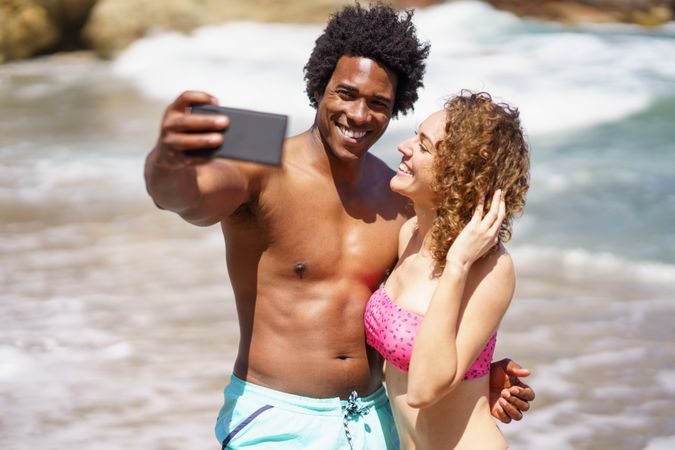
292 159
378 166
298 154
379 176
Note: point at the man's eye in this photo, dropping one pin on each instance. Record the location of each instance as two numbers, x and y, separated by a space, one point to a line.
380 105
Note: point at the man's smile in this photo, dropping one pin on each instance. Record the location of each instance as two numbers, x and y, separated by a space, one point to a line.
351 133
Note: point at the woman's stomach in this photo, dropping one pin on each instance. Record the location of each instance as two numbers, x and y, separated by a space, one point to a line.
459 420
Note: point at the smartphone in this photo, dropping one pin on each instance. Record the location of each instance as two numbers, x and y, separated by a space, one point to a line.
251 136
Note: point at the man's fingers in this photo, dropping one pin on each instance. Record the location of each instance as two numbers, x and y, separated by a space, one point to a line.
522 391
188 98
514 369
499 413
510 410
187 141
196 122
518 403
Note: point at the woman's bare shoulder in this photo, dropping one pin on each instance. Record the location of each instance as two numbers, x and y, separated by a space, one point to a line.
495 270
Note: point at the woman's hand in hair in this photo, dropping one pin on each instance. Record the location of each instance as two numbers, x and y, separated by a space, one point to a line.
478 236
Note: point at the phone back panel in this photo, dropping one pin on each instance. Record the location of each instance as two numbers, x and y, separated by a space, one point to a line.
251 136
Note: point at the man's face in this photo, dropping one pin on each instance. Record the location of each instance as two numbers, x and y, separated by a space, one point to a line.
356 106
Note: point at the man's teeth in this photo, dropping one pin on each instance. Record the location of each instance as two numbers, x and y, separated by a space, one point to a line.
351 133
403 168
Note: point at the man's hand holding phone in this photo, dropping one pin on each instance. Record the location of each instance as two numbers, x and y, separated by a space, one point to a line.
182 132
195 129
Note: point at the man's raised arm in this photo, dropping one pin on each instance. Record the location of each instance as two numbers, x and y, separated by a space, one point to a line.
202 191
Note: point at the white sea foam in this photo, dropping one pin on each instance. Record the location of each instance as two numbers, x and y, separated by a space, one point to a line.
228 62
97 342
563 422
78 177
661 443
549 178
666 379
582 268
560 79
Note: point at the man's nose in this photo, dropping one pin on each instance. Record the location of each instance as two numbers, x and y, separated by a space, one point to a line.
359 112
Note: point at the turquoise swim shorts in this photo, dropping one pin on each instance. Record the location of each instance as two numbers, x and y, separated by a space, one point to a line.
255 417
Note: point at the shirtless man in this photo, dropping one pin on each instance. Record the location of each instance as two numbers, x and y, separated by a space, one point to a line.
309 242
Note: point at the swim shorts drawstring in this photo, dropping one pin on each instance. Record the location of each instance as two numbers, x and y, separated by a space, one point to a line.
352 408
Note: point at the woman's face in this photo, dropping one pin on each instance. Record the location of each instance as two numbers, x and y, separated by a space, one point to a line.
415 173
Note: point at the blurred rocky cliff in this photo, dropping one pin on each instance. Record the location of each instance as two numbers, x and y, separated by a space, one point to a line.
642 12
34 27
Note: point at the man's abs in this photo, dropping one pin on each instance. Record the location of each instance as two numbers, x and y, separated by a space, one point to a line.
311 346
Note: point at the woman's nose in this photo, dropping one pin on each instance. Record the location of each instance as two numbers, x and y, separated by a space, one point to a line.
405 147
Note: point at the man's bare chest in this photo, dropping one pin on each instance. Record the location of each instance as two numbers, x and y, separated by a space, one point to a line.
318 232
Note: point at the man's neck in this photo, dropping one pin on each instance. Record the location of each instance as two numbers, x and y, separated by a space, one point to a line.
346 174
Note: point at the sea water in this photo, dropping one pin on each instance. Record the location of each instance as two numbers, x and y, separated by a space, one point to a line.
117 324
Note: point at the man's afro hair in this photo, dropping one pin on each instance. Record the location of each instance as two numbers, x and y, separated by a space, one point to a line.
379 33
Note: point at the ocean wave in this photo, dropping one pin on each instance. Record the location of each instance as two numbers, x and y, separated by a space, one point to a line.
559 77
78 177
591 273
661 443
225 61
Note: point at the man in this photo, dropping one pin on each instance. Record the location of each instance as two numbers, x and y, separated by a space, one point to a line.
307 243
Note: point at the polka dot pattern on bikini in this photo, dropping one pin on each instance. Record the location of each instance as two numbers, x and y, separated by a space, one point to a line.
481 366
391 330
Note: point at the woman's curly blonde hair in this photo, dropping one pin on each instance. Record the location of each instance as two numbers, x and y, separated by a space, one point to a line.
483 150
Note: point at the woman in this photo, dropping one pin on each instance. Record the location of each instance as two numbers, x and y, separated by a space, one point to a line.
435 319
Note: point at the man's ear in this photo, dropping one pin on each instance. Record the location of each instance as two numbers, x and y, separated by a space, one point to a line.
317 97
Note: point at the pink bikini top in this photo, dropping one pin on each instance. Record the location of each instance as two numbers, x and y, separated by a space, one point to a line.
391 330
